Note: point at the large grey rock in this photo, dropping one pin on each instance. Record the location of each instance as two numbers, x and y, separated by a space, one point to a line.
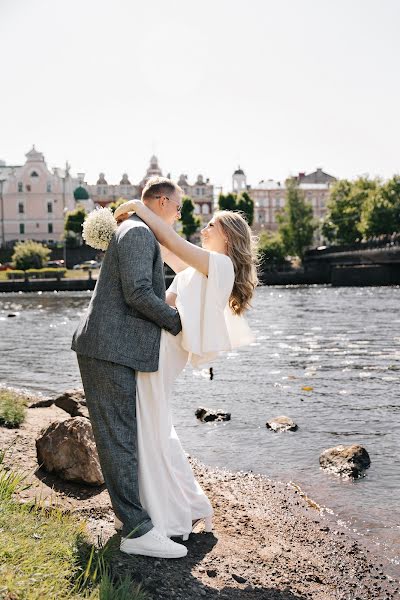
281 424
68 449
349 461
207 414
73 402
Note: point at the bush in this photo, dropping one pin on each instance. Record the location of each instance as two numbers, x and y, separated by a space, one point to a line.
15 274
46 273
30 255
12 408
271 251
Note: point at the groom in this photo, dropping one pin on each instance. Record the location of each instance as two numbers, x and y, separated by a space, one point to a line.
119 335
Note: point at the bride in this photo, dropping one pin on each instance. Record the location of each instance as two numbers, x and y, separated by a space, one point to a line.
212 290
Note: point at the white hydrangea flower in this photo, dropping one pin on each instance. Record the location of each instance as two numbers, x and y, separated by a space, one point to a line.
98 228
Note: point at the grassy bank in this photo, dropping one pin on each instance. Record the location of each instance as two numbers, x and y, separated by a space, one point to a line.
44 553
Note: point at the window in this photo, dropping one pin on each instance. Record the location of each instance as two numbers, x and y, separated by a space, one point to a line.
21 208
34 174
28 188
98 191
48 189
49 227
21 228
20 186
49 207
197 209
206 209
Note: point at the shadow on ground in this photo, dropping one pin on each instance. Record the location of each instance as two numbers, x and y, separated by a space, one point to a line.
174 579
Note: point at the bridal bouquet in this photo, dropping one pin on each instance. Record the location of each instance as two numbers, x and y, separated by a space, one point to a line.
98 228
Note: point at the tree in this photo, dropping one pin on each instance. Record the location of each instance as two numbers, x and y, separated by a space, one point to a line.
271 251
30 255
190 223
242 203
296 223
74 220
114 205
381 210
246 205
227 202
345 206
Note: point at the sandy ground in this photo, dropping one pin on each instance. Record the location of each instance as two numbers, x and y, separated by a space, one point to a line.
269 540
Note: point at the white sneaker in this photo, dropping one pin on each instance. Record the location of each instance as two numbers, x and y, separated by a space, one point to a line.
153 543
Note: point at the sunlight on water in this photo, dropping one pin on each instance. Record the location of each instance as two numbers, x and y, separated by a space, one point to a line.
327 357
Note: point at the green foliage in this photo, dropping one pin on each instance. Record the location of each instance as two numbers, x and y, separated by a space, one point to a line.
30 255
296 223
15 274
342 223
238 203
246 205
271 251
45 273
381 211
74 220
227 202
114 205
190 223
44 553
12 408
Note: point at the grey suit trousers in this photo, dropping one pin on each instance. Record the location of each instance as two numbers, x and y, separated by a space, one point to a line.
110 391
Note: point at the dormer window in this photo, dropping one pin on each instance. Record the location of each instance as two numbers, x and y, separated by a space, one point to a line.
34 174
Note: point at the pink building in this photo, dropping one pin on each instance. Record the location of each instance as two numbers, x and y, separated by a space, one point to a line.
34 200
269 196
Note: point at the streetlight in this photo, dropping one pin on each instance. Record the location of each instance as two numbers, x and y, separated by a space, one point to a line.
65 210
3 237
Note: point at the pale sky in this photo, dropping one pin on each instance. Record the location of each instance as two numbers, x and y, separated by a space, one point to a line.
277 86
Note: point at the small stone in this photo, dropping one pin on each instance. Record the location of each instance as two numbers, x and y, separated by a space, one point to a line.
211 572
73 402
207 414
239 578
281 424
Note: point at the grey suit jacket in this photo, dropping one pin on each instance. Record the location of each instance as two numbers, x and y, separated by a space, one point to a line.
127 311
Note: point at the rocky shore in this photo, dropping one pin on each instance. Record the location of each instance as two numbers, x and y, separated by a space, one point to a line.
269 541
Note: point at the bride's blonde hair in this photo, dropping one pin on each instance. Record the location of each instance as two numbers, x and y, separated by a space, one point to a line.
242 249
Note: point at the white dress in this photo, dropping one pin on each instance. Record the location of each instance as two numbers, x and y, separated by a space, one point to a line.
168 489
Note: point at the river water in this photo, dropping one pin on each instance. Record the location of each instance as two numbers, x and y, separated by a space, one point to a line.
342 342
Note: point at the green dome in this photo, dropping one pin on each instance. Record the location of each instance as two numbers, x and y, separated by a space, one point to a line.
81 194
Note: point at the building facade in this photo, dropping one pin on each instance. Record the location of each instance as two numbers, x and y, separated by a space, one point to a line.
269 197
201 192
34 200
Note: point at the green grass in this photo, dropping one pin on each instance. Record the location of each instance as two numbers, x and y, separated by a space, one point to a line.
12 408
44 553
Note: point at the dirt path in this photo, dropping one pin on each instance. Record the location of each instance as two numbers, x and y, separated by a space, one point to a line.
268 541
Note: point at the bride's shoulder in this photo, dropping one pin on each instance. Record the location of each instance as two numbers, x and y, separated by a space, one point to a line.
222 259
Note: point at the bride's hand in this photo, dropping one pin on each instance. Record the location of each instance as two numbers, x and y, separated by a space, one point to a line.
121 213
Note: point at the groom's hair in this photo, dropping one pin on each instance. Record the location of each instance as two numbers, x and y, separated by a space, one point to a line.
159 186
